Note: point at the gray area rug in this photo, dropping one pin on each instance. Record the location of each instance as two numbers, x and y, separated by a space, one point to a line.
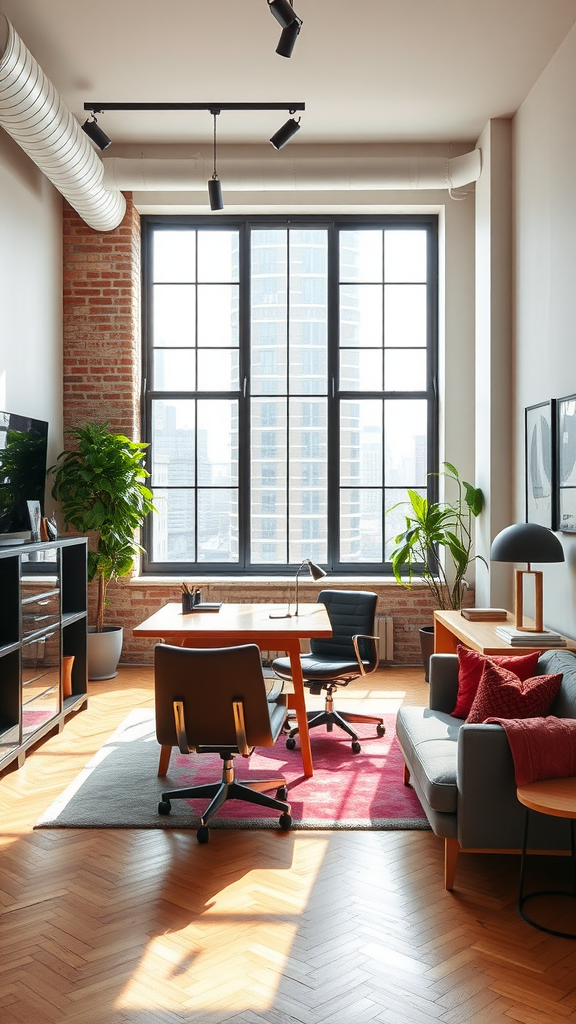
119 788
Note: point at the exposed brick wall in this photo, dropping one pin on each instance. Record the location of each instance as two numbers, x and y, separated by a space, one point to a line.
102 323
102 353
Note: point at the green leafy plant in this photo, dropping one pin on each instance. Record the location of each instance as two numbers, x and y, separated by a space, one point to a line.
100 485
431 526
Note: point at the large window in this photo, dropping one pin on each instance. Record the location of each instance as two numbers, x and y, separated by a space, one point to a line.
289 388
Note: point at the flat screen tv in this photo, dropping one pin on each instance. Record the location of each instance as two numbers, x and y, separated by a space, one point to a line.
23 453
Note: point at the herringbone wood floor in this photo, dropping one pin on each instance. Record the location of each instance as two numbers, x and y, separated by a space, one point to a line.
148 927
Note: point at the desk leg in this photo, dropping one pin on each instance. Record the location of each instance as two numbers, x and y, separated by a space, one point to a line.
444 641
298 704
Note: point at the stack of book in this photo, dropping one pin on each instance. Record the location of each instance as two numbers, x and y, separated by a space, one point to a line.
484 614
523 638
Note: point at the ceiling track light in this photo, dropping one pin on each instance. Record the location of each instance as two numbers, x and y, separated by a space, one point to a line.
95 132
285 133
214 186
291 24
288 38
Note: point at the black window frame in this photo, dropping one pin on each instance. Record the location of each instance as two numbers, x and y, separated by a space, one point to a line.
333 224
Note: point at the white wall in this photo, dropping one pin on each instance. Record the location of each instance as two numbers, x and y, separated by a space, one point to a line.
30 292
545 266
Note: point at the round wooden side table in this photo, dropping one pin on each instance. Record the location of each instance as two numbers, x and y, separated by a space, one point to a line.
558 798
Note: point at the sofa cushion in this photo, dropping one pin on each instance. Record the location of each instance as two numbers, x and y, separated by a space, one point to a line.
501 694
471 665
429 740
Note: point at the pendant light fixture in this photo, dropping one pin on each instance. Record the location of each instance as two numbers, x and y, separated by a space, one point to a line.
214 186
291 24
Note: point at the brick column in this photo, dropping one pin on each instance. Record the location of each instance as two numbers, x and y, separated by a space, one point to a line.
101 328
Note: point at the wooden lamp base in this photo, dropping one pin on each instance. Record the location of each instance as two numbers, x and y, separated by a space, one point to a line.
519 601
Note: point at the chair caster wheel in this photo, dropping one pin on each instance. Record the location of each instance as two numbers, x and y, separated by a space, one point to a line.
164 807
202 834
282 794
380 730
290 743
356 748
285 822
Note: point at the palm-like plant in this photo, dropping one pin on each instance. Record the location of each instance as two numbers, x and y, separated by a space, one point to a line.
431 526
101 487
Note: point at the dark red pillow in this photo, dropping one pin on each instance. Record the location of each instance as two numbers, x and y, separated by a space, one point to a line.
501 694
470 668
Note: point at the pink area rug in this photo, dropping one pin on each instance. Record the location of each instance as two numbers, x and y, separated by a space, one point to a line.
345 790
119 787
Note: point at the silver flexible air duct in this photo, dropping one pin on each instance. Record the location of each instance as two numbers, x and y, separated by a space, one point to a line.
36 117
306 168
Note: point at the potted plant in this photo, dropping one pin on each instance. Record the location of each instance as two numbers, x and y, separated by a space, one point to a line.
100 484
436 546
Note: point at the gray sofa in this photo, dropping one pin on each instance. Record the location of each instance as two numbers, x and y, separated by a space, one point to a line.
464 774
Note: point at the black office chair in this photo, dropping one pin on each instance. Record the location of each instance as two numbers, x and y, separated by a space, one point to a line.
215 701
350 652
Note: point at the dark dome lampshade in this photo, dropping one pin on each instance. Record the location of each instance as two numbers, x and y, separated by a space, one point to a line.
526 542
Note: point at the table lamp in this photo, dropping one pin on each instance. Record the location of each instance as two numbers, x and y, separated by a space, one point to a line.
527 542
316 573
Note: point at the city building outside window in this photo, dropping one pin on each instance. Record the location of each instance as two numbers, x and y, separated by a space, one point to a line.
289 388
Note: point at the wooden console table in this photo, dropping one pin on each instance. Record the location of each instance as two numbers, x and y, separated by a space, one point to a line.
451 629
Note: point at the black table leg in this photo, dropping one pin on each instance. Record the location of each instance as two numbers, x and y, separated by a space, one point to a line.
522 898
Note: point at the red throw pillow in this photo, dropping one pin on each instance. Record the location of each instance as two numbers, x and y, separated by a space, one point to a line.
470 668
501 694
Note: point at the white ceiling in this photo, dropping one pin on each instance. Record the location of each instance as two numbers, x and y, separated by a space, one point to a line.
368 70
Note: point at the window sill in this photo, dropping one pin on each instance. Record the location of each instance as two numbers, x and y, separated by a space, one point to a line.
263 581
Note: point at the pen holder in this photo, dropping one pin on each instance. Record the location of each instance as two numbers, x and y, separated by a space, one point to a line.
187 603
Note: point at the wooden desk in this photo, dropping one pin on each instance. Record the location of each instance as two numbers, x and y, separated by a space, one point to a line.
558 798
243 624
451 629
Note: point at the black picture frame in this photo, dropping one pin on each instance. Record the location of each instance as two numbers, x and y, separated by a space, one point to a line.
566 464
540 463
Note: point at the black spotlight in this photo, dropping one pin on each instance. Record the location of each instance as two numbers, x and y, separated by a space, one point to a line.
288 38
282 11
94 132
285 133
215 194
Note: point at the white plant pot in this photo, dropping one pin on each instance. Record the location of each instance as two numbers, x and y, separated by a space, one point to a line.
104 651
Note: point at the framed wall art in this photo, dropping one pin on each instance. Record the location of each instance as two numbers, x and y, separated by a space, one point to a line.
539 433
566 464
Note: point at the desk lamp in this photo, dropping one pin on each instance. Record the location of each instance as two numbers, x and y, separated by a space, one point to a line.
527 542
316 573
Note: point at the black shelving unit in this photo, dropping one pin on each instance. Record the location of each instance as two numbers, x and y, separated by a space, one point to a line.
43 616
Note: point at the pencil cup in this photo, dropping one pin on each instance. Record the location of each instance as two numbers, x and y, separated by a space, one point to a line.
187 603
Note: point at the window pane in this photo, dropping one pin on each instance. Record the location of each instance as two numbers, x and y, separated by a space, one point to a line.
308 317
173 526
405 452
269 328
174 369
308 510
405 315
361 525
308 358
218 255
405 255
174 256
173 443
217 443
361 370
268 450
361 443
361 315
218 370
218 525
405 367
218 315
174 315
395 521
360 255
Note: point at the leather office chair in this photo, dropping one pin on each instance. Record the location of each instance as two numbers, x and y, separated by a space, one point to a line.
350 652
215 701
